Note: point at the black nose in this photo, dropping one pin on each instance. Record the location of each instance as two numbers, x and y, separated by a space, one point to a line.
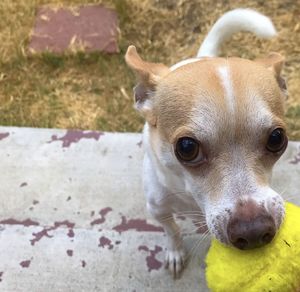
253 233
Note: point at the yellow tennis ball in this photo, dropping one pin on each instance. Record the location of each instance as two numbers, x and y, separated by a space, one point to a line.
274 267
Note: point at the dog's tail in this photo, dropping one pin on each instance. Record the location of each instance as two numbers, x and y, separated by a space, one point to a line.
232 22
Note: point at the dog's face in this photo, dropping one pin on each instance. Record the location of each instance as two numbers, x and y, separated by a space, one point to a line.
218 125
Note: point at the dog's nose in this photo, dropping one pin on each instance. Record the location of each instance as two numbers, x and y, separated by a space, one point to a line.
249 234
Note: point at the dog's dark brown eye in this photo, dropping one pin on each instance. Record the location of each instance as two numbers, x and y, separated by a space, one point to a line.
277 140
187 149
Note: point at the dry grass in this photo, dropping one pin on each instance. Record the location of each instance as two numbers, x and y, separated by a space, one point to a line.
94 91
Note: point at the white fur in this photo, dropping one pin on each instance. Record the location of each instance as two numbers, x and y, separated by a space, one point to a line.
184 62
225 77
233 22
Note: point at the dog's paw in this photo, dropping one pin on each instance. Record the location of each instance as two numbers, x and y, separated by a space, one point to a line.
174 262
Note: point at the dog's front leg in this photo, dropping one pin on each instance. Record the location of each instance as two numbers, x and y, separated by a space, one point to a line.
175 255
160 205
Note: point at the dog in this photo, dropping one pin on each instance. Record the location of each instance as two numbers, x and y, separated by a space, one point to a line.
214 129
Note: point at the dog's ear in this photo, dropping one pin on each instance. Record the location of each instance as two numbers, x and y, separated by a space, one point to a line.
275 62
148 76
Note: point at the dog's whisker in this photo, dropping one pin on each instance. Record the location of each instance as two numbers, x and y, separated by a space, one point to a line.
201 225
290 197
203 236
173 194
197 228
196 215
282 193
190 211
196 248
189 232
196 245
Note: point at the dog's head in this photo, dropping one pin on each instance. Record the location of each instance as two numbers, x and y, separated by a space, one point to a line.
219 125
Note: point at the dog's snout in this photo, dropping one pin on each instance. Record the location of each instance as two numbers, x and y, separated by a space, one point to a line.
251 233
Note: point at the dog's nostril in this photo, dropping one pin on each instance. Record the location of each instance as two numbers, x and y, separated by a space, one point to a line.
241 243
267 237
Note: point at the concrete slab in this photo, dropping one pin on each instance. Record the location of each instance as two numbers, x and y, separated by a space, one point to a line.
73 217
83 28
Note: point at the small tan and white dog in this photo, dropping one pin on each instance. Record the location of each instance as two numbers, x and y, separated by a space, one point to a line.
214 129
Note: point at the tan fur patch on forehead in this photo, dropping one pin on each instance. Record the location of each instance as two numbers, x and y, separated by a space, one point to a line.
251 79
183 90
198 89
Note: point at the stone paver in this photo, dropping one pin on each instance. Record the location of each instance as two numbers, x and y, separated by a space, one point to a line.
86 28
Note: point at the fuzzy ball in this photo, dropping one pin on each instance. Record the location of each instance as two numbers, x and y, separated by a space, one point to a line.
273 267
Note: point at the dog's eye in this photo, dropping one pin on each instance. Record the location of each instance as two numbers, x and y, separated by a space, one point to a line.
277 140
188 150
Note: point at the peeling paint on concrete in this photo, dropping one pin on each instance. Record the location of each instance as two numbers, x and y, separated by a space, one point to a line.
139 225
102 213
74 136
25 223
152 262
71 233
25 264
44 233
104 241
3 136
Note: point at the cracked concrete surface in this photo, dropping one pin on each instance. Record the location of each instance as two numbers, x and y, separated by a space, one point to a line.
73 217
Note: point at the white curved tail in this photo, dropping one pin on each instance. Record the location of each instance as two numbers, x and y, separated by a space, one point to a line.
232 22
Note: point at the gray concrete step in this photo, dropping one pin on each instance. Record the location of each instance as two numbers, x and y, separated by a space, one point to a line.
73 215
